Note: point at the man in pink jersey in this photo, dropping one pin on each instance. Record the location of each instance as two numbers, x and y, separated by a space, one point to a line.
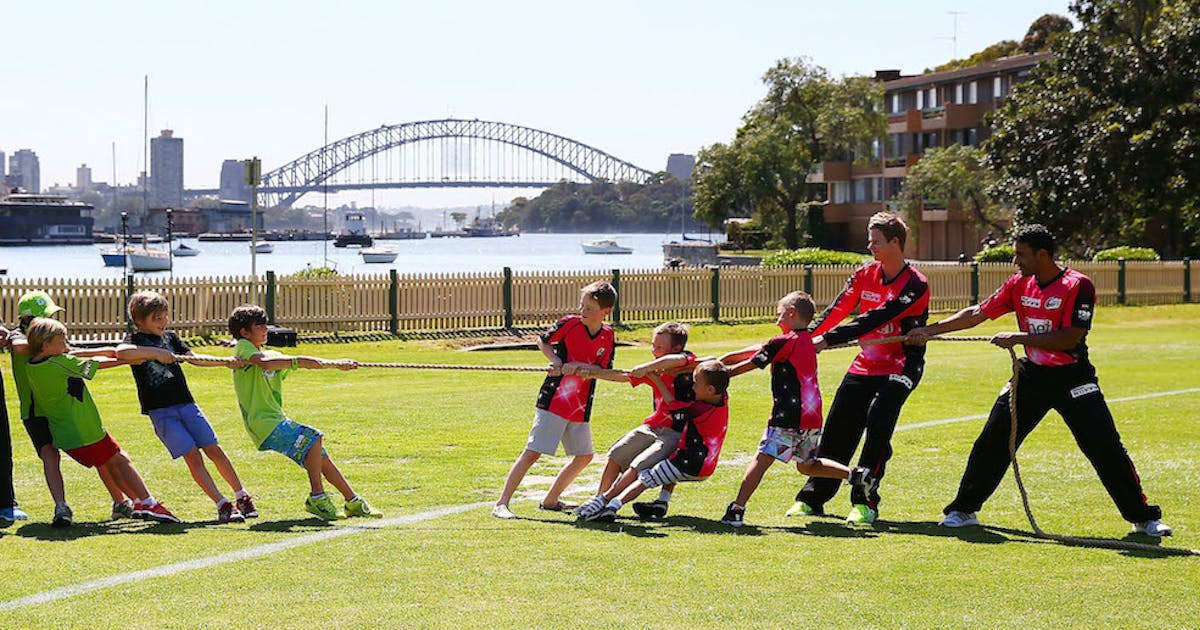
1054 307
891 298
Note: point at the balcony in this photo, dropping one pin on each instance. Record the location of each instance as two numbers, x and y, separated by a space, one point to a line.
836 171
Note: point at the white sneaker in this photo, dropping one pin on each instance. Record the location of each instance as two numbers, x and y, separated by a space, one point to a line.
959 519
1157 529
502 511
591 506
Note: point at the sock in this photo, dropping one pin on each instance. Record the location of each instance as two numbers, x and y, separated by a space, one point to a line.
149 501
740 507
664 495
352 499
615 504
241 494
221 501
319 495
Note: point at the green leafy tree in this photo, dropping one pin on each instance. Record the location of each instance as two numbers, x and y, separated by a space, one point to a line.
956 172
1044 31
805 118
1103 142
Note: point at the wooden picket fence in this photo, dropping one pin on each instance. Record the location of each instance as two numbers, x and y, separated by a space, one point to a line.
96 308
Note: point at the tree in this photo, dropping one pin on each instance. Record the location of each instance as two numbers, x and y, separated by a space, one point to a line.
1044 31
955 172
459 218
1102 144
805 118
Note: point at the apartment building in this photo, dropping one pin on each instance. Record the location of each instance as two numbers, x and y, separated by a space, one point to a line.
938 109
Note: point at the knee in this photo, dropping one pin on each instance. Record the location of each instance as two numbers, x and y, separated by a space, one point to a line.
584 459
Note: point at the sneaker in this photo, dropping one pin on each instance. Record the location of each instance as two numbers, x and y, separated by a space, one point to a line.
121 510
140 511
963 519
801 508
159 512
591 506
358 506
653 509
561 506
13 514
860 478
605 515
245 505
323 508
1154 528
734 515
501 511
228 513
861 514
63 516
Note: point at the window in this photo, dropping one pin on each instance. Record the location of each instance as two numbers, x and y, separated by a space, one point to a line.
896 103
931 100
958 93
972 92
998 87
876 149
972 137
840 192
920 99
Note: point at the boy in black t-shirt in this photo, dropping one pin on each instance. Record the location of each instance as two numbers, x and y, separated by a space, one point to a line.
165 397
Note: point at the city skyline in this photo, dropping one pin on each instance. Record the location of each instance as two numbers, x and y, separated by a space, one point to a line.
639 82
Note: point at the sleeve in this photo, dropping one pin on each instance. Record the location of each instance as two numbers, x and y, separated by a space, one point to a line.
1084 305
772 351
556 332
245 349
839 308
1000 302
612 349
131 338
914 291
178 345
634 381
78 366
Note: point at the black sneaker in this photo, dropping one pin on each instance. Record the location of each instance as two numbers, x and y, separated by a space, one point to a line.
63 517
651 509
734 515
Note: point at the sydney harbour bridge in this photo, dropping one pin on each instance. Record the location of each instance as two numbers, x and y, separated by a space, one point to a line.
448 153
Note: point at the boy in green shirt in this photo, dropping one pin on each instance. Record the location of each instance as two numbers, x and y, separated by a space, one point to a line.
56 380
259 387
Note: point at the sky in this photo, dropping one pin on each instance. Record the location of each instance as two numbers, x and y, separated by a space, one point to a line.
639 80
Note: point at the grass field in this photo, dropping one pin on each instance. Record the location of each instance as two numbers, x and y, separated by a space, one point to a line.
431 450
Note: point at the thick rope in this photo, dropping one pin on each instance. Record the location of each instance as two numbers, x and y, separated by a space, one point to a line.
380 364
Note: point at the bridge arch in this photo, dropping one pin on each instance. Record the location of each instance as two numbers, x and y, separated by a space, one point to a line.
315 170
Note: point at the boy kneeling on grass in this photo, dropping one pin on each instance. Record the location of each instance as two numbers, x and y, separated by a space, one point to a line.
60 394
702 422
259 387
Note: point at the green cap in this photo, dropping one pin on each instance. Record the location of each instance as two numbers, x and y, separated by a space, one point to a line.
36 304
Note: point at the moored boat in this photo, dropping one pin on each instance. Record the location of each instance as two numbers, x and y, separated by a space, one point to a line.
147 259
378 254
604 246
185 251
263 248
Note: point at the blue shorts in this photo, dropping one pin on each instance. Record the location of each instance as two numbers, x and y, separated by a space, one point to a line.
182 428
292 439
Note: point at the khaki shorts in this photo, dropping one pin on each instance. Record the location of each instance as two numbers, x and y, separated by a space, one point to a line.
549 429
644 447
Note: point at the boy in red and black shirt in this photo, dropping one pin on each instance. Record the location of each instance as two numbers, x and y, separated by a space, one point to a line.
1054 307
794 430
891 298
702 423
564 402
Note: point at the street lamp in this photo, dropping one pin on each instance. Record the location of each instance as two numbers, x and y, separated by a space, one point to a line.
170 252
125 243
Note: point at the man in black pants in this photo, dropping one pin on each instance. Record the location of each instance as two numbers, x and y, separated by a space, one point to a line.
1054 307
9 511
891 297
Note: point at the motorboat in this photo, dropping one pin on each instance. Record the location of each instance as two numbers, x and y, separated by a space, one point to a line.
146 259
378 254
355 232
185 251
604 246
263 248
114 256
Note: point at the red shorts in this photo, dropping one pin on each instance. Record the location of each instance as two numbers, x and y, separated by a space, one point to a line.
96 453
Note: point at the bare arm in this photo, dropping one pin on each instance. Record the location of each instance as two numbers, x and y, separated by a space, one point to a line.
308 363
664 363
1062 339
741 368
591 371
667 396
137 355
967 318
88 353
556 363
738 356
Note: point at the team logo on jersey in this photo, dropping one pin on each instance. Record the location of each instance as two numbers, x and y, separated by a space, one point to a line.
872 296
599 351
907 298
1084 390
1084 312
902 379
1053 303
1030 302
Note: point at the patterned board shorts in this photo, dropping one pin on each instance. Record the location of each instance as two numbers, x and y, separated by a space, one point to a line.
786 445
293 440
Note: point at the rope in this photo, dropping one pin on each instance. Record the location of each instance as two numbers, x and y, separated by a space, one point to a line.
379 364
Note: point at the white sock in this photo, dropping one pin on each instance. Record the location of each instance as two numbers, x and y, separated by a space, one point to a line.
241 494
319 495
615 504
149 501
664 495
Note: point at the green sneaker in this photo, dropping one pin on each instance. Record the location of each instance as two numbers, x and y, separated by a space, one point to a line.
323 508
861 515
801 508
358 506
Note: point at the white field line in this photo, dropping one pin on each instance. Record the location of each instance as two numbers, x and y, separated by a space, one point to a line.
357 528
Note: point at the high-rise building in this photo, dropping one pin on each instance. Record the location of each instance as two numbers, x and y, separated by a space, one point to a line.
680 165
83 178
25 171
166 170
3 166
233 181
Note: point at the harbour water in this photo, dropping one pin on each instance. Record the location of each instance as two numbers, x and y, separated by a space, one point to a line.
528 252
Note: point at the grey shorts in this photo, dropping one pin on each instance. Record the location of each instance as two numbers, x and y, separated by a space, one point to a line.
549 429
644 447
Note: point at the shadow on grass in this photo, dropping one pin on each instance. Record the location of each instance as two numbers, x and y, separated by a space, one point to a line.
310 524
45 531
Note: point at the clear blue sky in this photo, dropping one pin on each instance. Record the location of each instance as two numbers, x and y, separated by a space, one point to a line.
639 80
